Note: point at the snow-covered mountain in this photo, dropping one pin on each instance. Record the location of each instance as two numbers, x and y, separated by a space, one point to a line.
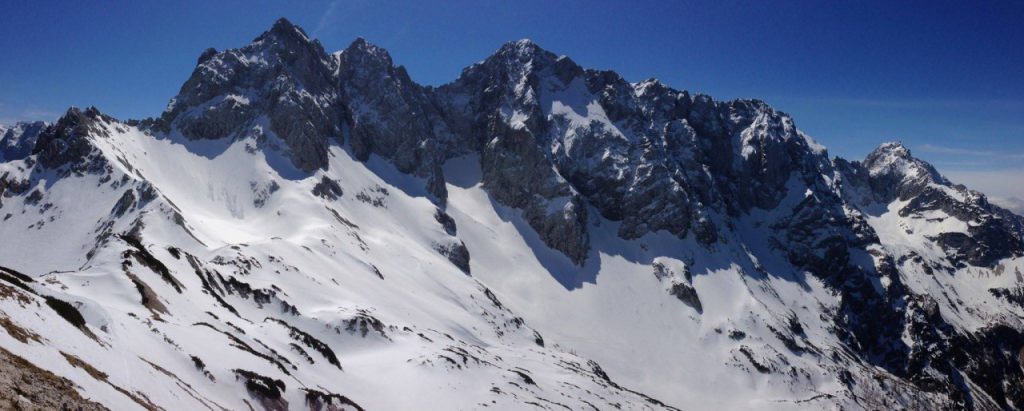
302 229
18 140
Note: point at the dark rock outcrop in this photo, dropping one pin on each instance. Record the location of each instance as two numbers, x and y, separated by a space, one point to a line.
392 116
46 391
327 188
457 253
66 144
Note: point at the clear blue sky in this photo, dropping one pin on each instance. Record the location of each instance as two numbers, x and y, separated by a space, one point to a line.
945 77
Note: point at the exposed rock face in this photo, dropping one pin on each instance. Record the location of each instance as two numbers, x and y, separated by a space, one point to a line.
555 139
24 386
327 188
457 253
283 82
655 158
392 116
680 286
494 108
66 144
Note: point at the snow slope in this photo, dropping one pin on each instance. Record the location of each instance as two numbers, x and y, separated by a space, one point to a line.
407 327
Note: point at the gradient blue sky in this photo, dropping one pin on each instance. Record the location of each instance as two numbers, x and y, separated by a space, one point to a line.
945 77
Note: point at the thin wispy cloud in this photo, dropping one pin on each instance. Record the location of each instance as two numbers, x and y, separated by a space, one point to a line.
10 113
936 149
39 114
924 104
960 164
326 18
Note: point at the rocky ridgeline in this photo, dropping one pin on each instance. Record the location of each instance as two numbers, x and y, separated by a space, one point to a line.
645 154
553 138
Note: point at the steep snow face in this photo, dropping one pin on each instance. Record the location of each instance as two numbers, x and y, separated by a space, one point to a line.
223 283
312 230
722 345
220 278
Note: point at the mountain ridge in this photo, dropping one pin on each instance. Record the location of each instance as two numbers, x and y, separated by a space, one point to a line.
279 157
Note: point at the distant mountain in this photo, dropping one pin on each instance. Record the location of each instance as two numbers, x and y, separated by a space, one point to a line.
17 141
302 229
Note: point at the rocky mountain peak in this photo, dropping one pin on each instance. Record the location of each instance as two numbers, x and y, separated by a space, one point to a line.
514 60
962 222
650 86
523 48
361 55
362 46
389 114
67 142
282 53
288 45
282 78
893 165
895 148
283 31
78 120
887 154
521 57
206 55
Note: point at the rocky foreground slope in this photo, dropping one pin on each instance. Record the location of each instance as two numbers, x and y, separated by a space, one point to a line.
302 230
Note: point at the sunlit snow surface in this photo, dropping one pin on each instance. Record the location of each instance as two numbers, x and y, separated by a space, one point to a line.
445 339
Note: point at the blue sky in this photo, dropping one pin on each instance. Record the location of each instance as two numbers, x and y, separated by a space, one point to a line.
945 77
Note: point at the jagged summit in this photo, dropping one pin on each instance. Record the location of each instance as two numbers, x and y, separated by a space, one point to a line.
359 94
280 86
522 52
79 123
522 48
893 163
284 30
522 44
67 144
896 147
365 55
